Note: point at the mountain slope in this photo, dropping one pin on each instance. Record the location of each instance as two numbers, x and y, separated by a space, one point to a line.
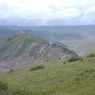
23 49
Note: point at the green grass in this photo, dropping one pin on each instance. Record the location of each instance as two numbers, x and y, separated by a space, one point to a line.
37 67
56 78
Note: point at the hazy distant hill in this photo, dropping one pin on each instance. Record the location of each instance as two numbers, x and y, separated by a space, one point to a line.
50 31
23 49
79 38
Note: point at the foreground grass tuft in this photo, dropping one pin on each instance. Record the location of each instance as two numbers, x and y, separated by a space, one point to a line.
73 59
88 74
37 67
3 86
90 55
15 92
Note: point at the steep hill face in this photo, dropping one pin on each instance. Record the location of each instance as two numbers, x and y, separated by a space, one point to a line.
18 45
23 49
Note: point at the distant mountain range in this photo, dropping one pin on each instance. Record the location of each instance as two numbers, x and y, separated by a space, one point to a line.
55 33
79 38
52 22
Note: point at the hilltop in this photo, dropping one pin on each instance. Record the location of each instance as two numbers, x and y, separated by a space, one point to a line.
23 49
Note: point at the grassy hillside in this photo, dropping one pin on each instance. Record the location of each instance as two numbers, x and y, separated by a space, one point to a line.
52 78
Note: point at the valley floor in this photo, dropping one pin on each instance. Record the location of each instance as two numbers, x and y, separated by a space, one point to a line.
53 78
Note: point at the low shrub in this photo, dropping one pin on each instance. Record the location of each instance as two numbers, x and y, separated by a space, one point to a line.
88 74
19 92
11 70
37 67
15 92
72 59
64 62
3 86
90 55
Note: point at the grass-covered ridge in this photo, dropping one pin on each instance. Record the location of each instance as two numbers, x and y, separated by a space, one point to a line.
53 78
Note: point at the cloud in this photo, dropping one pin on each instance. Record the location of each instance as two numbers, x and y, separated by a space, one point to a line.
89 15
47 9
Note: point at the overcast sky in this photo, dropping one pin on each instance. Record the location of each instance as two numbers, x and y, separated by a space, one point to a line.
46 10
